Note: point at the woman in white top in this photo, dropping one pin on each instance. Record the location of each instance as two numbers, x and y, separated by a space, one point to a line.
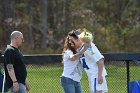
72 72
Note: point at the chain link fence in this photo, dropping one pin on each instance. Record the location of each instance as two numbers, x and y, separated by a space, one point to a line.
45 78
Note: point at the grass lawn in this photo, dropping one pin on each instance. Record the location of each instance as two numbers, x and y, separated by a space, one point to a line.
46 79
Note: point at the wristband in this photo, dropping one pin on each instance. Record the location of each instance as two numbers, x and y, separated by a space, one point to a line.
14 81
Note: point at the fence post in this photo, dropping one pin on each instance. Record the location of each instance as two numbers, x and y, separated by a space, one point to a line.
128 74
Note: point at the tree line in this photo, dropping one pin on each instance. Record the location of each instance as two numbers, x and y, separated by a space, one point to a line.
45 23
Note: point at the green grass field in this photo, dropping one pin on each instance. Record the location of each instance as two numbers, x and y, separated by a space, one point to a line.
46 79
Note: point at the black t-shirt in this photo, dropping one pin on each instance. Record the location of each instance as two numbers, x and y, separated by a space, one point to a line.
13 56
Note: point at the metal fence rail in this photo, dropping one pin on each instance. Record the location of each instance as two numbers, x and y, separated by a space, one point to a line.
44 72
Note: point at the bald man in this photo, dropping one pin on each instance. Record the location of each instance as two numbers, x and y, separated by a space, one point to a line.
14 66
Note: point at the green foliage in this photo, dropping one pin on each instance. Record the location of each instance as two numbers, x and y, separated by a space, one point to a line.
1 31
47 50
115 23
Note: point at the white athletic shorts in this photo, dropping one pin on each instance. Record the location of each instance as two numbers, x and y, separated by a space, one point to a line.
94 86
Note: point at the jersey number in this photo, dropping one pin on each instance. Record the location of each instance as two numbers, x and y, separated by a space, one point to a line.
84 62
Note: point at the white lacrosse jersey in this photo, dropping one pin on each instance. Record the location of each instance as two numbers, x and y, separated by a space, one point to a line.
89 60
72 69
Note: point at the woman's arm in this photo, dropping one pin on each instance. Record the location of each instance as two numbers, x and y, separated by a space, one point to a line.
80 53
